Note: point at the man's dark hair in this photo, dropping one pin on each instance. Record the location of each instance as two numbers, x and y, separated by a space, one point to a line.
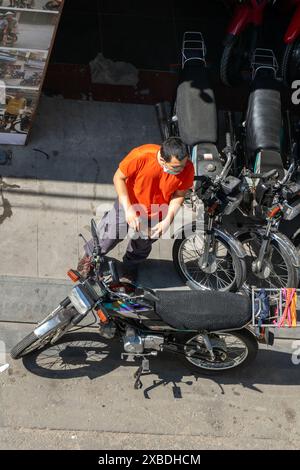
173 147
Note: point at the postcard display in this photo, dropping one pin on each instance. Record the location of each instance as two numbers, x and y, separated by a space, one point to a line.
27 32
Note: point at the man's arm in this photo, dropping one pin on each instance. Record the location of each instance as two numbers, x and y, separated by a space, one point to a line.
176 202
122 192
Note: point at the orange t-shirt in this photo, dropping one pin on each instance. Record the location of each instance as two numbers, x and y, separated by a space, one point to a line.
147 183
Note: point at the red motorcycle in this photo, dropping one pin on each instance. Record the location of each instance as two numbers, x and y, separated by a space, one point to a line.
241 39
291 58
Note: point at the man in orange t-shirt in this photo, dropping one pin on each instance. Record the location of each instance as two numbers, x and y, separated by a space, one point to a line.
151 183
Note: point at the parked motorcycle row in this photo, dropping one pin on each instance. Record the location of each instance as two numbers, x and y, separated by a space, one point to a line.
254 179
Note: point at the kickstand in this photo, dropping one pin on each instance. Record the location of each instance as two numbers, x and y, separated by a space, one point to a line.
142 370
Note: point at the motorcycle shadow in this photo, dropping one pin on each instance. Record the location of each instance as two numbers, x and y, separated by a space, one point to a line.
87 354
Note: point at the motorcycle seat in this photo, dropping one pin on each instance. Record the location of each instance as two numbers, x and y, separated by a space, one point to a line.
196 107
271 160
264 116
203 310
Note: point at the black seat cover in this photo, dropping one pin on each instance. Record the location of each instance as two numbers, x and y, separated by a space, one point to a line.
196 107
203 310
271 160
264 116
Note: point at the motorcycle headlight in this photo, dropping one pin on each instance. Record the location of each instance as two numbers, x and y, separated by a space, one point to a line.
81 300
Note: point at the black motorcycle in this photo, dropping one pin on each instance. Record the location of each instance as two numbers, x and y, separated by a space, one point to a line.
205 255
208 330
272 259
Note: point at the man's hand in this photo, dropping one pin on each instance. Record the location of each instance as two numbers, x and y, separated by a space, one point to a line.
130 214
132 219
160 229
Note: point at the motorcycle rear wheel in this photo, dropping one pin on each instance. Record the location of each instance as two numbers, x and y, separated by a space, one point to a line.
232 349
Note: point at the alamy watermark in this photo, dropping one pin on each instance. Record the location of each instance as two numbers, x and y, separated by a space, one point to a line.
296 93
296 353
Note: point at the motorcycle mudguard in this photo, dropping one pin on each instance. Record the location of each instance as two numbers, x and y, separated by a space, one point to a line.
241 18
245 14
296 237
282 241
293 31
60 319
235 245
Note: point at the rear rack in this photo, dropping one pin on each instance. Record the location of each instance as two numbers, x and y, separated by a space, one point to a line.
278 303
264 59
193 47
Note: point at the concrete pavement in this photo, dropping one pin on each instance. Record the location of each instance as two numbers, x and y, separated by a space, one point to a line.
79 394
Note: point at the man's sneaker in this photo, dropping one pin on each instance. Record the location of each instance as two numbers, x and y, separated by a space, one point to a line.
84 266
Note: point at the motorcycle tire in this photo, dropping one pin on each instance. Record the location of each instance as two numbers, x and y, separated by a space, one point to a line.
292 278
32 342
239 267
219 367
290 70
232 62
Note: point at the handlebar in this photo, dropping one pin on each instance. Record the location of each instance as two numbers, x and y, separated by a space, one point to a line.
229 156
262 176
271 173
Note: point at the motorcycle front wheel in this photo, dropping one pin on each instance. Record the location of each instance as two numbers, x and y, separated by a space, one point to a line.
226 272
232 350
235 60
291 63
53 328
278 270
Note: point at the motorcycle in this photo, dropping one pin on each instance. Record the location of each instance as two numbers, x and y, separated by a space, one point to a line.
270 192
291 58
272 259
241 40
209 331
205 255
